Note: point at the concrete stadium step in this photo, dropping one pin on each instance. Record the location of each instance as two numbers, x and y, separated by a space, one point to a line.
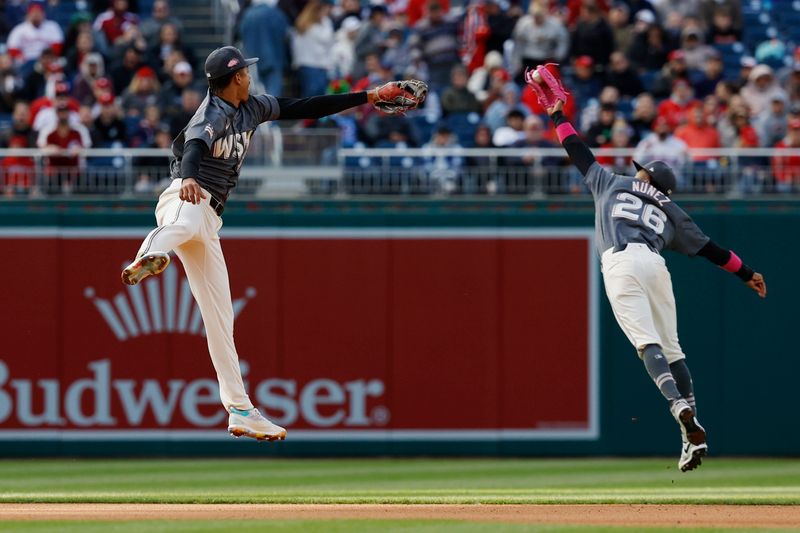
202 31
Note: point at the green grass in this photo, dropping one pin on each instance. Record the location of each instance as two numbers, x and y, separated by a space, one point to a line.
336 526
719 481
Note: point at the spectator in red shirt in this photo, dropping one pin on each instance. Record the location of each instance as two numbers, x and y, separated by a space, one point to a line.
786 168
113 22
63 144
680 101
698 133
17 172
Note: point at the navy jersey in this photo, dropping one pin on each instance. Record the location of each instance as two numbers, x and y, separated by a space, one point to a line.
226 131
628 210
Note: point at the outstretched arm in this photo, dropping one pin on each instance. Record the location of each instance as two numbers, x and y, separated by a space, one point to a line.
395 97
728 260
578 152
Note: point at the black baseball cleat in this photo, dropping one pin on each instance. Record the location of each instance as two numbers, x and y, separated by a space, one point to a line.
148 265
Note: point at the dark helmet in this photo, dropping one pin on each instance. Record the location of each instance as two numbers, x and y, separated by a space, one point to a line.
661 176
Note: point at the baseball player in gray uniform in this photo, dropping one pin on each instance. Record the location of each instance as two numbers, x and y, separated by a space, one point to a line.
635 219
209 154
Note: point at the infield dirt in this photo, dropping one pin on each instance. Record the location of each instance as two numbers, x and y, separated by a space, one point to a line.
727 516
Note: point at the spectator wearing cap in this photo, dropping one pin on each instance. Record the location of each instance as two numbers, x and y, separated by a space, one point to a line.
592 35
695 51
370 39
159 15
43 76
343 52
92 69
44 116
761 88
62 143
115 21
650 44
435 39
142 91
264 28
643 116
539 38
771 125
621 137
312 41
746 66
108 130
153 172
10 84
583 83
662 144
80 22
30 38
513 130
480 82
676 107
786 168
457 98
122 74
713 73
621 75
171 94
672 71
599 132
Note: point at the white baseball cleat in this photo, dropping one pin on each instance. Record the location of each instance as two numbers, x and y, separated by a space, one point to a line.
147 265
691 456
252 424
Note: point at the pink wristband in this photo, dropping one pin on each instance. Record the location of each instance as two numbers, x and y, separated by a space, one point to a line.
733 264
564 130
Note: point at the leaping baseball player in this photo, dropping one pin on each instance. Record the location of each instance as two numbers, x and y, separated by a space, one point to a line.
635 219
209 153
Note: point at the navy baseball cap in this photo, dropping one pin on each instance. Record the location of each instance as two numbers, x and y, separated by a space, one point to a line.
225 60
661 176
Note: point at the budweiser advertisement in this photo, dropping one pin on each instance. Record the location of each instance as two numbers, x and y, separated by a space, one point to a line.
373 334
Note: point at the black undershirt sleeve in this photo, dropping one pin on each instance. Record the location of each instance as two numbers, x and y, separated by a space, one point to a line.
193 152
720 256
578 152
319 106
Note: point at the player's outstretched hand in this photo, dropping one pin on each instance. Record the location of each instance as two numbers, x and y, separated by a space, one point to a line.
758 284
191 191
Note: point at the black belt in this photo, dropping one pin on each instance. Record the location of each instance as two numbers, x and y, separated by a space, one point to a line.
620 247
217 206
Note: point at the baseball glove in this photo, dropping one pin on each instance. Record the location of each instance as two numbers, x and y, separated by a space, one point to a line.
545 85
397 97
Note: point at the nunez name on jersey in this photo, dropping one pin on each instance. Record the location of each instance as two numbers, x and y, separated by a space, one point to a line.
650 190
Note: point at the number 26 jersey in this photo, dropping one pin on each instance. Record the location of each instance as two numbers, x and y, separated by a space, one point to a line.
628 210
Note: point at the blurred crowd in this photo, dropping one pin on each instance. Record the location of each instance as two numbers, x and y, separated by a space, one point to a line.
659 77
